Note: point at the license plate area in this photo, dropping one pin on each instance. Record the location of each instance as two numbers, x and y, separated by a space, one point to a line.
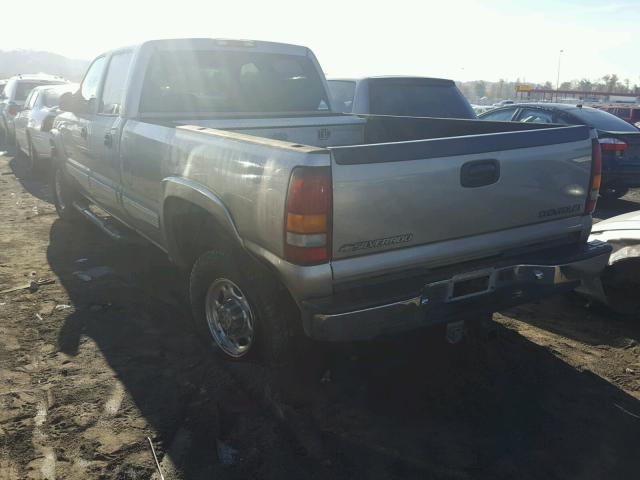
470 285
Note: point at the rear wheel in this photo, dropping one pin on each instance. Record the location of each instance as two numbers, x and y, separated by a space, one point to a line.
613 192
240 311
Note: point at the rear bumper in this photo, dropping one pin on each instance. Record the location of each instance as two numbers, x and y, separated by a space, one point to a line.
509 282
623 175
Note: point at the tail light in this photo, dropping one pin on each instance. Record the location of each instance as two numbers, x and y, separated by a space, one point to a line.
47 123
596 178
13 109
308 216
613 145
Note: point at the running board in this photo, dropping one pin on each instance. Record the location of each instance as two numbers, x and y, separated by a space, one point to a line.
110 230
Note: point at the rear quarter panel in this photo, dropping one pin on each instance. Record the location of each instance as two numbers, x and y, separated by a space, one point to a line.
250 177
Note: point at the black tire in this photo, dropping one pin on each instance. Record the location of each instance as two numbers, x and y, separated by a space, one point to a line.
19 154
34 158
613 192
272 310
29 160
64 193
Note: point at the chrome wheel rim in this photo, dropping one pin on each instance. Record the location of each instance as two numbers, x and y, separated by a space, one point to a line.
57 185
229 318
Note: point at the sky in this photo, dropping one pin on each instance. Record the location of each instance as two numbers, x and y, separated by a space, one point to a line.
460 39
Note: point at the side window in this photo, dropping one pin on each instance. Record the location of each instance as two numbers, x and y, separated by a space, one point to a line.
342 95
28 103
91 82
535 116
500 116
113 91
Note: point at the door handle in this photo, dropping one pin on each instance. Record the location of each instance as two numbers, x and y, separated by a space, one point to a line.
83 132
108 140
479 173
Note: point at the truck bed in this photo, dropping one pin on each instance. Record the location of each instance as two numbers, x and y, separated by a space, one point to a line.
403 182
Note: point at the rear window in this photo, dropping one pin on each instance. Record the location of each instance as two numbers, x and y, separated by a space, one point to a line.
602 120
23 88
418 98
635 114
623 112
211 81
342 93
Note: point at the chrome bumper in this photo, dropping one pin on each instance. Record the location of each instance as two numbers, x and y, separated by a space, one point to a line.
438 302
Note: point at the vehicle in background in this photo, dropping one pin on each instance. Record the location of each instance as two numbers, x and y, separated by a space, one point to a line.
2 84
619 141
292 217
400 96
628 113
14 95
33 123
620 281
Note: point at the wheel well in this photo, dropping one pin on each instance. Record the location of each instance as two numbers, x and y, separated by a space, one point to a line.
191 230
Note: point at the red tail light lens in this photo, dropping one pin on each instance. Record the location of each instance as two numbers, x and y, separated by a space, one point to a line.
612 145
596 178
308 217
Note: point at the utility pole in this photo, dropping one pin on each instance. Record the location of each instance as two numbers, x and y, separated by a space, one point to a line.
558 78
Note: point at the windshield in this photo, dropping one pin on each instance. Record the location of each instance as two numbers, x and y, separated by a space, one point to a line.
602 120
228 82
418 98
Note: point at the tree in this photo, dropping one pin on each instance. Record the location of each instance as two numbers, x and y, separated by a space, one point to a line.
565 86
480 88
585 85
610 82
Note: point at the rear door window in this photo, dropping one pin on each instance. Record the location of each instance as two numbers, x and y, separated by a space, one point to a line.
535 115
504 115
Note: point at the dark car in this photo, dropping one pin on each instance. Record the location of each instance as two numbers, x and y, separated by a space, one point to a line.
619 140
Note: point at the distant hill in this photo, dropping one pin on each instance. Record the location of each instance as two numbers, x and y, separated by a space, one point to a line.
30 61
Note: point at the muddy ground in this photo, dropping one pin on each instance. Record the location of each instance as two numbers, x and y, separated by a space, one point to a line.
89 368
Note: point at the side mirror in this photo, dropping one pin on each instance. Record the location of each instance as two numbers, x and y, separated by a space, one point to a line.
67 102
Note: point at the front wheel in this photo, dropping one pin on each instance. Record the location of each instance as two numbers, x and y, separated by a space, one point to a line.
239 309
64 193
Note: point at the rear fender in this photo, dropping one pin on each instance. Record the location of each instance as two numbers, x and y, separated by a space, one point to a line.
199 195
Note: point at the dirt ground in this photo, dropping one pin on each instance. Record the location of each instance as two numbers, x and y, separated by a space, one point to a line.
94 363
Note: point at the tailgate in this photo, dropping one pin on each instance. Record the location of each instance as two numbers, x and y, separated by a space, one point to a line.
395 195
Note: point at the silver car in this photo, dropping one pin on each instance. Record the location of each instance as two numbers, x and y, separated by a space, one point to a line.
14 95
32 125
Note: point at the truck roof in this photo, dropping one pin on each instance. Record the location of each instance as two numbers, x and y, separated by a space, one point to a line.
219 43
